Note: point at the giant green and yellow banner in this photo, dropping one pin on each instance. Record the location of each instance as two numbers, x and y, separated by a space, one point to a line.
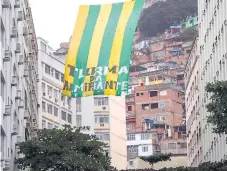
99 54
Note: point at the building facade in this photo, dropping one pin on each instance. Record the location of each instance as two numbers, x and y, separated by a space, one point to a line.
106 117
212 50
193 117
19 76
56 109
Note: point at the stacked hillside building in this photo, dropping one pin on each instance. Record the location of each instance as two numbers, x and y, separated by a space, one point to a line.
19 76
155 102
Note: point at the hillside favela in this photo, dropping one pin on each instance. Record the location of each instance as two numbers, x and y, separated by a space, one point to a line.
117 85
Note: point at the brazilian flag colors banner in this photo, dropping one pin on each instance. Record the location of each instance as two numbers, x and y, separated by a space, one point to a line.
99 54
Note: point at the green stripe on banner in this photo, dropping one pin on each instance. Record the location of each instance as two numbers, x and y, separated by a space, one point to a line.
83 51
107 43
127 45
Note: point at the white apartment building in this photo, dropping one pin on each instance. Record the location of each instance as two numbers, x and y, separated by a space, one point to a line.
18 70
212 16
192 104
56 110
106 117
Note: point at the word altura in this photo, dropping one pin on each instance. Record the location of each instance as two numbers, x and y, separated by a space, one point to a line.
96 78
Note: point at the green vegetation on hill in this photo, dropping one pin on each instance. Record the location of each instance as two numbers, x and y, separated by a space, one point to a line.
160 16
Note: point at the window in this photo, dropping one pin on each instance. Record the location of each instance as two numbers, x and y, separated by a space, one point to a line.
55 111
69 118
55 94
183 145
145 106
49 108
103 136
131 137
78 120
128 126
25 101
145 149
43 87
129 108
180 77
101 119
62 77
52 72
43 124
47 69
55 126
57 75
2 87
172 146
144 136
43 47
63 115
44 106
50 125
78 104
154 105
137 94
49 91
99 101
69 101
153 93
63 98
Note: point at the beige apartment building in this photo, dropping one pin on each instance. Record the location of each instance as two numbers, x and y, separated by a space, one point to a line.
192 104
106 117
213 66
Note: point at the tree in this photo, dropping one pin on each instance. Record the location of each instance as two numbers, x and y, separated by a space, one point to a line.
156 158
218 106
63 150
161 15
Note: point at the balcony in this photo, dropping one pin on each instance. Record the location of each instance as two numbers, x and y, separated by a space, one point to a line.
102 126
101 108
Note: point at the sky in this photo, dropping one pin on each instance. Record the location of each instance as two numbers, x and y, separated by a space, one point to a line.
55 19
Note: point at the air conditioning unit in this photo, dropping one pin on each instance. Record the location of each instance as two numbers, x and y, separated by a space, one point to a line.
18 94
21 60
7 164
34 120
103 108
14 130
26 114
7 110
44 94
7 55
14 81
5 4
33 91
17 4
28 125
56 100
18 48
21 103
101 125
197 87
14 32
20 16
25 71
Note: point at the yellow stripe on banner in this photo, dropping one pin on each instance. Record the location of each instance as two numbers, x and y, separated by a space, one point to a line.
117 45
96 42
75 44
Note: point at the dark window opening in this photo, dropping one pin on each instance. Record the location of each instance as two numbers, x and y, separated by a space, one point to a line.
153 93
145 106
129 108
154 105
137 94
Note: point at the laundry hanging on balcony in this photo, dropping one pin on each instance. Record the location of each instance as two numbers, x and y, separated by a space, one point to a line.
99 54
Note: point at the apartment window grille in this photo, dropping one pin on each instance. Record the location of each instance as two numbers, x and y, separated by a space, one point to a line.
144 136
49 90
145 149
78 120
55 111
44 106
43 124
153 93
131 137
43 87
172 146
57 75
55 94
101 119
103 136
99 101
129 108
69 118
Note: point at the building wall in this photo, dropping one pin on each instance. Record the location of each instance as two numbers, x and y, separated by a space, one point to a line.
56 109
193 120
176 161
18 73
111 132
212 42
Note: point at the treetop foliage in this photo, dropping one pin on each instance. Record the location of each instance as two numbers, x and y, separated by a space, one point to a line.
161 15
156 158
63 150
218 106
